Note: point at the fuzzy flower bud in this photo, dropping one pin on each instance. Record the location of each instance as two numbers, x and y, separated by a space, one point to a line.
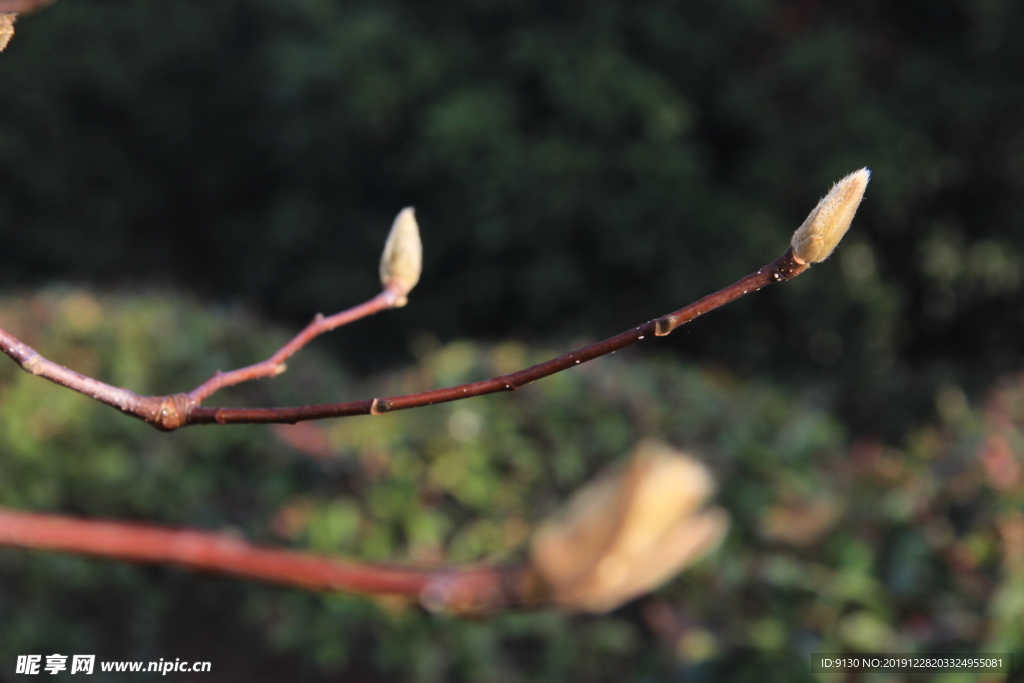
6 29
828 222
629 531
402 260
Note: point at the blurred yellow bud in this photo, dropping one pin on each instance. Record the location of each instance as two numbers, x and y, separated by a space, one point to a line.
402 260
828 222
629 531
6 29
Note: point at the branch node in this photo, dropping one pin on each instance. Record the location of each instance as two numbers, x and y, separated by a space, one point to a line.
664 325
469 594
788 266
280 368
173 412
379 406
34 365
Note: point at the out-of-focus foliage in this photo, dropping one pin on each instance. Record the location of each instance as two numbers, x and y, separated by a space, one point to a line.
833 547
576 167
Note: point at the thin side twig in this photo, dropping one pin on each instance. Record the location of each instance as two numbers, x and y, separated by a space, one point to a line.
169 412
274 365
179 410
465 590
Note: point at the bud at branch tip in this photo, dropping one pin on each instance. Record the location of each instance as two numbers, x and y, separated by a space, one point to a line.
6 28
815 240
402 260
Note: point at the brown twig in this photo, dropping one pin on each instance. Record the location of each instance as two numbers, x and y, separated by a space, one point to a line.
179 410
463 590
274 365
168 412
783 268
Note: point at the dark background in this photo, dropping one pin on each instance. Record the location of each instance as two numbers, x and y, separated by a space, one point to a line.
577 168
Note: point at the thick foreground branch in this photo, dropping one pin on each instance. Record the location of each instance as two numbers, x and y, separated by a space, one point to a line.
463 590
623 534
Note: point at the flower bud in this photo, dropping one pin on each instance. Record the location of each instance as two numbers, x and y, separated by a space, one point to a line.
402 260
828 222
629 531
6 28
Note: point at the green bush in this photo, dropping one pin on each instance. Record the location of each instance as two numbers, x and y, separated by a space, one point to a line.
834 547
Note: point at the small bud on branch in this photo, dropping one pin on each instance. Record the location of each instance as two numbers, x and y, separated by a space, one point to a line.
6 29
402 260
815 240
9 11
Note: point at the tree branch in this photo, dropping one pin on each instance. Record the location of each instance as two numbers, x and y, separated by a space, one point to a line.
179 410
471 589
780 270
167 412
400 268
274 365
478 589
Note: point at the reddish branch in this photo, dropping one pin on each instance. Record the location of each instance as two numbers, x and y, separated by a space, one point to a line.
179 410
275 364
471 589
23 6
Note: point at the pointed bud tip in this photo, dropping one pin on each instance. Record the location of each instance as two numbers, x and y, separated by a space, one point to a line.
6 28
825 226
402 260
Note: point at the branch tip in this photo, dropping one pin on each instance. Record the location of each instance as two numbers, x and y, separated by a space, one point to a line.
7 20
